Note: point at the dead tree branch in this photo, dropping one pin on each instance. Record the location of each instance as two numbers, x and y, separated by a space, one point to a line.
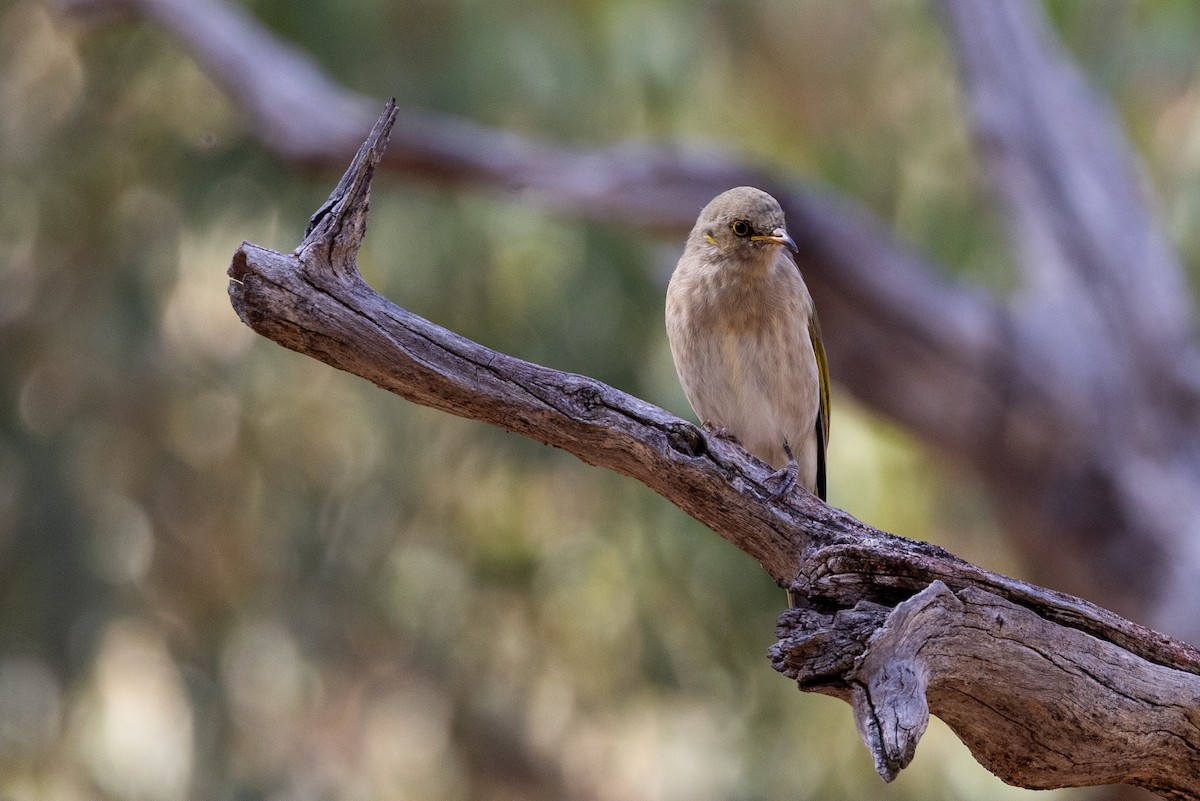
1046 690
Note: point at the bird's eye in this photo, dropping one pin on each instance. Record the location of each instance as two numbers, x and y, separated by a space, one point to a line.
741 227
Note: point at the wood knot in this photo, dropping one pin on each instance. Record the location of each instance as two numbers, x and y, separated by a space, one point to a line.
585 398
687 439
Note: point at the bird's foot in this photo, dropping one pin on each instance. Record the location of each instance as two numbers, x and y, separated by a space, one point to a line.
720 432
787 475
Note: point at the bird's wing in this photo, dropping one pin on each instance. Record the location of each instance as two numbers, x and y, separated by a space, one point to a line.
814 334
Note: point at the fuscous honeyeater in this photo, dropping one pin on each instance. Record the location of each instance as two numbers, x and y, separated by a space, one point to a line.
745 338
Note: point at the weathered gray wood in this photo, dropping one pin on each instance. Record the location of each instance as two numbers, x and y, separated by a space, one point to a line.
1046 689
1039 704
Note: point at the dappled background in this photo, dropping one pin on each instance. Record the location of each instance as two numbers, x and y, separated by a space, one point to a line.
228 571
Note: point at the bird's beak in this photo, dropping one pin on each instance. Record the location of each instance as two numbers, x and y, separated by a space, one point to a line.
780 237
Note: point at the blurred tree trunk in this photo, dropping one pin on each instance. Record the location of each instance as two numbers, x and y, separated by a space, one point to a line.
1077 399
1097 453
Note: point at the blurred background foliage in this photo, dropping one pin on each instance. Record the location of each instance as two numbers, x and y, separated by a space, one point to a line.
227 571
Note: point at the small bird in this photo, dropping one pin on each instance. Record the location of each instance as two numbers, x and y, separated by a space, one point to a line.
745 338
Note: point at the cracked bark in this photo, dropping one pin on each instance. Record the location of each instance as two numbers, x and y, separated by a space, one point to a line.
1034 701
1047 690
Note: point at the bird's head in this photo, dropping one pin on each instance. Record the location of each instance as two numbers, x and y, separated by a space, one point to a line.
743 224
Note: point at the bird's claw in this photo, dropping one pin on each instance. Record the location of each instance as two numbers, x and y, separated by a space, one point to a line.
720 432
787 477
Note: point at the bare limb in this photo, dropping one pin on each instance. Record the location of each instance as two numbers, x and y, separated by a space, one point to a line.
1102 414
899 628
